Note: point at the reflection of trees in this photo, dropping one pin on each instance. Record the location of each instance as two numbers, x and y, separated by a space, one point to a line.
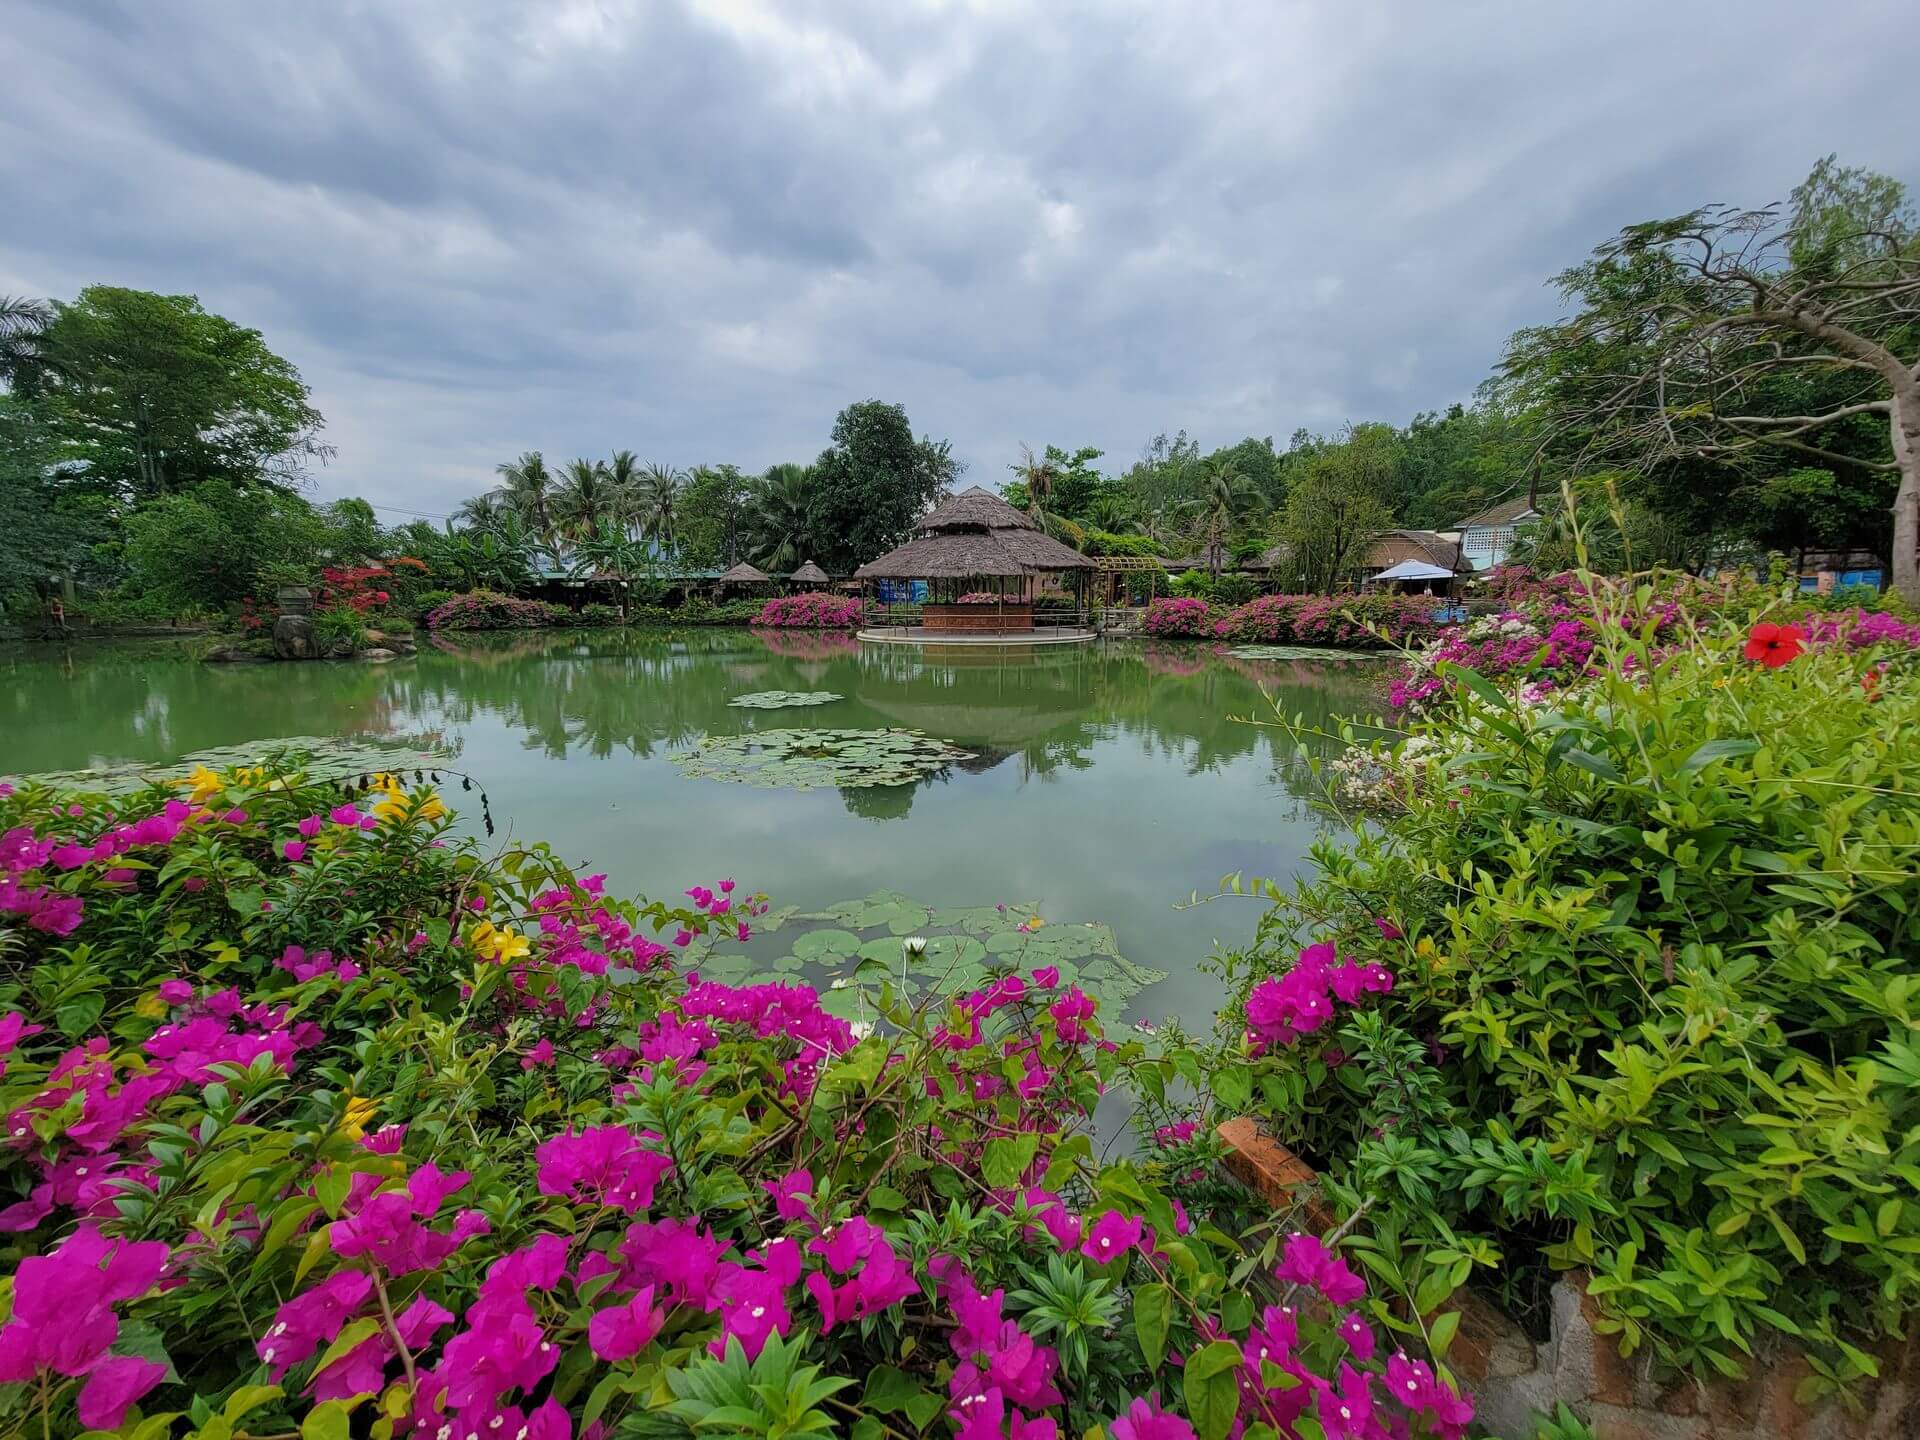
1045 713
102 703
809 644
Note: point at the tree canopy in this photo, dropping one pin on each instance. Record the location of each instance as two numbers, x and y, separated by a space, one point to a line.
155 395
872 483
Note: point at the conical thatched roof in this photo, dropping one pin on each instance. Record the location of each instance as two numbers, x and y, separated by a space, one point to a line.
745 574
811 574
976 508
974 533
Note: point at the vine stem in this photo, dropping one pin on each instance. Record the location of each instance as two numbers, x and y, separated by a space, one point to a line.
393 1331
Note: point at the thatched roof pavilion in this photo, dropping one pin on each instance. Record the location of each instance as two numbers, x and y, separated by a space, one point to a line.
975 534
743 574
810 574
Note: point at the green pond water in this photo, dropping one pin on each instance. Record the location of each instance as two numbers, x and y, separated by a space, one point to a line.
1101 784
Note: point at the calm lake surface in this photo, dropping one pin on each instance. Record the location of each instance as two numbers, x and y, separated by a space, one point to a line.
1111 780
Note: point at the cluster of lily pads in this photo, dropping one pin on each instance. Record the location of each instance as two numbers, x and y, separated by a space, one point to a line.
811 759
850 949
320 758
783 699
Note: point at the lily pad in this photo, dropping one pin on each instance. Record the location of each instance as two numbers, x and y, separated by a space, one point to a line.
810 759
1302 652
321 757
858 945
783 699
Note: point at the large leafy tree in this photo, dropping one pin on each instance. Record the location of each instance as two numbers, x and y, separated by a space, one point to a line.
1718 352
872 483
716 507
216 544
156 395
50 523
1339 497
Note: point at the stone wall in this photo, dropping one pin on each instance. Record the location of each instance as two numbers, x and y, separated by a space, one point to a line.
1511 1377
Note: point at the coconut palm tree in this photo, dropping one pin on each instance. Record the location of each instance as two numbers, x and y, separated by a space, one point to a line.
481 512
782 521
529 492
623 486
608 551
1038 476
23 340
1225 494
1115 514
584 499
659 504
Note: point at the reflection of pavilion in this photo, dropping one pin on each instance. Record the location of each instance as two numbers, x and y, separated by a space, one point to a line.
985 565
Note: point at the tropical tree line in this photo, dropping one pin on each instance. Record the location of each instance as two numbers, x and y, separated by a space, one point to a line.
860 496
1725 383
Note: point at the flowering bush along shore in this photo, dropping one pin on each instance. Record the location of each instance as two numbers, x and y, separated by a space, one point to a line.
320 1123
1650 896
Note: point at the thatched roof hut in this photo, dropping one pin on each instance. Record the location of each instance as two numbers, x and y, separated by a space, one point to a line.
810 574
744 574
975 533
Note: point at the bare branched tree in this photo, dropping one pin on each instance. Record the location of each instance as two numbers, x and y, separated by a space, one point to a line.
1726 334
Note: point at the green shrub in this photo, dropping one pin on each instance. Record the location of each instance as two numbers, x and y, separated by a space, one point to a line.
430 600
1656 1011
340 626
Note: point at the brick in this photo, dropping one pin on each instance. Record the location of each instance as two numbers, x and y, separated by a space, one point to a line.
1273 1171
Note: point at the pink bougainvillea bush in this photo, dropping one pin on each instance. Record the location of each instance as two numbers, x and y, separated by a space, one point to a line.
1360 622
489 610
1178 616
812 610
320 1123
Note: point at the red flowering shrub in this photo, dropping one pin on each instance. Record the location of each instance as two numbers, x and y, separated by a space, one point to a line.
360 589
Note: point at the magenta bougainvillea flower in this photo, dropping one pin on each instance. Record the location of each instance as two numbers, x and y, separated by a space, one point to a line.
1145 1420
63 1316
1304 1260
604 1166
620 1332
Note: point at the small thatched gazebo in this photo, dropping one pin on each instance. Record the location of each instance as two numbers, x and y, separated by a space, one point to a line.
983 562
810 574
743 577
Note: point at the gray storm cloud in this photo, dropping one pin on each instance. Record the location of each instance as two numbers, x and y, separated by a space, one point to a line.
696 230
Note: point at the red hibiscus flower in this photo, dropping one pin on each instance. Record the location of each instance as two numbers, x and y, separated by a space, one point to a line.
1775 645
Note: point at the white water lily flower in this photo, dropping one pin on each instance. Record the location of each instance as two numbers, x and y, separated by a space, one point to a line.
914 945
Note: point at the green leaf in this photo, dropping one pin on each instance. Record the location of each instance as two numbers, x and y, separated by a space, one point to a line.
1211 1385
249 1398
1440 1333
889 1389
1593 764
326 1421
1233 1087
1712 750
1152 1319
1004 1165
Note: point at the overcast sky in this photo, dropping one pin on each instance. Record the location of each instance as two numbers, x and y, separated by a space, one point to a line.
696 230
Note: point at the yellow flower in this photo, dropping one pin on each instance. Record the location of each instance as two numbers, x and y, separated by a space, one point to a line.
359 1111
201 785
497 945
